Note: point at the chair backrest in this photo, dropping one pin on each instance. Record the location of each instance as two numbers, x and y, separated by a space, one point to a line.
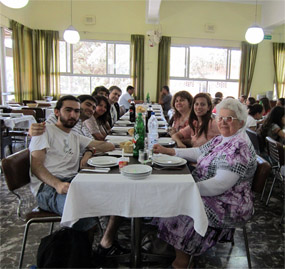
254 139
275 151
262 172
25 112
40 113
16 169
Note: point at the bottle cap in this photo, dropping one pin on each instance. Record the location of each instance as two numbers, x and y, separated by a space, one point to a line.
152 113
140 114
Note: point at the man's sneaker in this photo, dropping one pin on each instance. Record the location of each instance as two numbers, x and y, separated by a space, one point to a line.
113 251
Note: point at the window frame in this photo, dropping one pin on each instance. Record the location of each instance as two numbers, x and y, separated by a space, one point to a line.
69 62
206 80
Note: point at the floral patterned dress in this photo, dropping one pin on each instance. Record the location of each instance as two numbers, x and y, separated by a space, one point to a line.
224 211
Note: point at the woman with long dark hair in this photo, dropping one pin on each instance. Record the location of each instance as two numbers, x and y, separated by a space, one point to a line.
266 104
181 102
98 124
273 125
202 126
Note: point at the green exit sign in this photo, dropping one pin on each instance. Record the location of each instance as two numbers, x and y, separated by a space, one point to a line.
267 37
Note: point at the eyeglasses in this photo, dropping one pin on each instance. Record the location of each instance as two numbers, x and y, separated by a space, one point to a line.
226 119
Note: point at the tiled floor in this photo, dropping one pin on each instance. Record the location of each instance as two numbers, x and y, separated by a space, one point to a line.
265 234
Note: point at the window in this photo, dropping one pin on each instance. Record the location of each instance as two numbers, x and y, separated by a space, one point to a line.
7 73
88 64
204 69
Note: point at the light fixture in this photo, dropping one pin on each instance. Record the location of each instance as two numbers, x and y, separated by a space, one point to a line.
254 33
14 3
71 35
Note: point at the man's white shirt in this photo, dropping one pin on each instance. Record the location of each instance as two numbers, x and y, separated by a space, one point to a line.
124 100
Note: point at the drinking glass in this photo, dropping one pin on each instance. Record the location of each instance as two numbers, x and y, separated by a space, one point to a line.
143 156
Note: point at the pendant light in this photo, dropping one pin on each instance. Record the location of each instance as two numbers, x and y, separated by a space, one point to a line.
254 33
14 3
71 35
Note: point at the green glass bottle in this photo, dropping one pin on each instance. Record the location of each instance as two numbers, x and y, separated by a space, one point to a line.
148 98
139 134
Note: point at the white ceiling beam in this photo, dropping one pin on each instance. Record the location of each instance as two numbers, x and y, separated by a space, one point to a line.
152 11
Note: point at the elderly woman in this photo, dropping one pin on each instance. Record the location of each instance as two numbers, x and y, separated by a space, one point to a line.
224 172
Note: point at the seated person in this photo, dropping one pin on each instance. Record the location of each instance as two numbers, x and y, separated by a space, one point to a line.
202 127
114 113
165 100
254 115
280 102
181 103
55 160
250 101
126 98
273 125
266 104
98 124
225 169
87 109
100 90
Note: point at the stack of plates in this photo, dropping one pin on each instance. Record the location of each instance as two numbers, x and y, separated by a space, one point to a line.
104 161
136 171
166 160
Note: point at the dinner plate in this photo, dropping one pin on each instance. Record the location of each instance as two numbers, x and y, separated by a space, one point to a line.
103 161
136 169
162 122
120 129
166 159
183 161
166 141
123 122
161 131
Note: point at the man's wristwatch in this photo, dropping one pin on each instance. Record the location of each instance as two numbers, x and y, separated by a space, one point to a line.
92 150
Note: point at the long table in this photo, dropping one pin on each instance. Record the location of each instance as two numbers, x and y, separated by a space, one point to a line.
165 193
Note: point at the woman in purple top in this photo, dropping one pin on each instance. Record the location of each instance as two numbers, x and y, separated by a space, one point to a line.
224 172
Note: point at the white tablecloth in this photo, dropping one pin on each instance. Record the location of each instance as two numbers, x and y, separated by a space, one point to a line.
113 194
22 122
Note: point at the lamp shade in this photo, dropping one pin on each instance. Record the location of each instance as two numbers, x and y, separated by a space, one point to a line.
14 3
254 34
71 35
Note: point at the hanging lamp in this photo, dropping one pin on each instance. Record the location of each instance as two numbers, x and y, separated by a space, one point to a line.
71 35
14 3
254 33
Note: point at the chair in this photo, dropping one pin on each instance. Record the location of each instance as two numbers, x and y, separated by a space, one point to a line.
253 136
262 171
25 102
40 113
21 133
5 139
16 172
276 155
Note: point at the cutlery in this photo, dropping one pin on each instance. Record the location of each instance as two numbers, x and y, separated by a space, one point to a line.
96 170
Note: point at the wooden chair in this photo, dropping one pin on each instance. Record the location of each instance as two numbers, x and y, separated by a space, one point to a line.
40 113
16 172
276 155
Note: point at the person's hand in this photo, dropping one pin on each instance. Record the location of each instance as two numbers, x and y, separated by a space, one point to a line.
62 187
87 155
181 145
160 149
37 129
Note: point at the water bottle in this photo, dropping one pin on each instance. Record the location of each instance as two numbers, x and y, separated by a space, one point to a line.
152 131
148 115
138 135
132 111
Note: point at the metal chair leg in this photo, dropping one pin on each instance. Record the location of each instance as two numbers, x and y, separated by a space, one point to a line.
269 195
24 244
246 246
263 191
51 228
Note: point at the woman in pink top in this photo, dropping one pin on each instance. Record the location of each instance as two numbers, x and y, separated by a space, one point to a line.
202 127
181 102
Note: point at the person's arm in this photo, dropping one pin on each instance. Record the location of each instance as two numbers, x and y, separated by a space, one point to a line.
281 134
190 154
253 128
86 156
177 138
98 136
40 171
101 146
221 182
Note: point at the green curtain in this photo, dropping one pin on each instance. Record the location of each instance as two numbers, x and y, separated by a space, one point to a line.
248 59
36 62
137 65
163 68
279 66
